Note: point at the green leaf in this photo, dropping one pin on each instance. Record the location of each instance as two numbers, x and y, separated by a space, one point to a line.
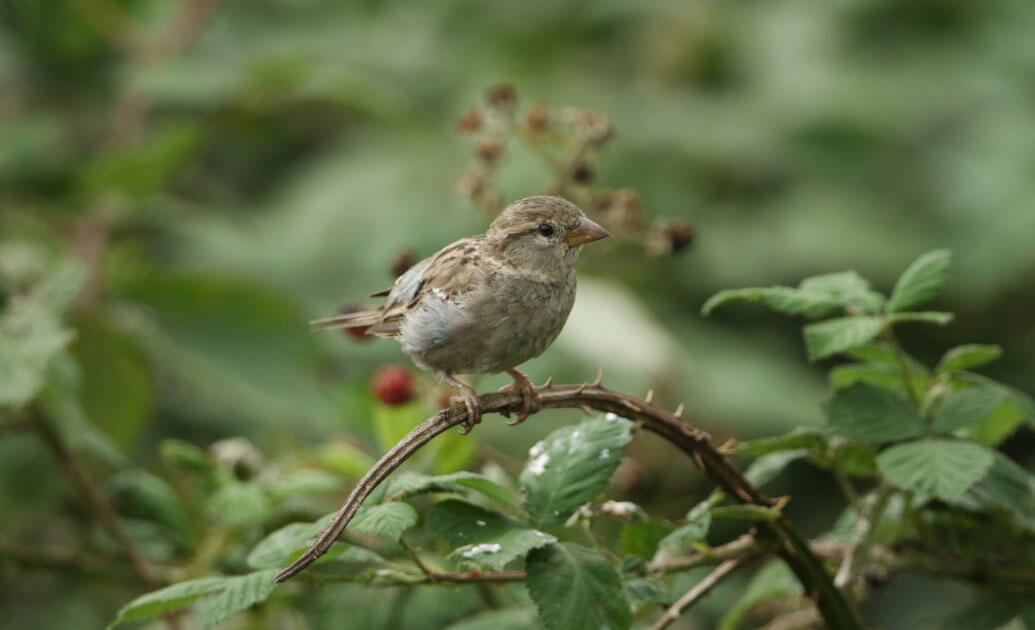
967 356
187 456
1008 487
832 336
768 467
572 466
31 336
483 537
117 389
1024 403
780 299
644 592
388 519
940 468
922 281
576 588
773 581
855 459
965 408
508 619
801 437
300 483
641 539
240 504
281 547
139 494
241 592
410 484
847 288
680 541
172 597
871 414
884 376
996 426
925 317
349 563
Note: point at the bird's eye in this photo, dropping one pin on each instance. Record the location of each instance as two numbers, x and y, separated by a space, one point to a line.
545 229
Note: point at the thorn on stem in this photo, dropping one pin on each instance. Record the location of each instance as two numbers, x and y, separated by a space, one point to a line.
600 377
729 447
630 405
649 397
679 411
549 382
697 460
586 409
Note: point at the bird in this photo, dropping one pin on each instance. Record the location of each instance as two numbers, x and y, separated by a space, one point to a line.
487 303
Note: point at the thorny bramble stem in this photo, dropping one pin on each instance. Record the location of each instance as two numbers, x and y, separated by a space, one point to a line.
790 543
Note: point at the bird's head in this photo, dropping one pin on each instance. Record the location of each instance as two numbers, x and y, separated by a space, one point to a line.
543 235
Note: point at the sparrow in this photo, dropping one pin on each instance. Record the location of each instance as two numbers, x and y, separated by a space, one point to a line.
487 303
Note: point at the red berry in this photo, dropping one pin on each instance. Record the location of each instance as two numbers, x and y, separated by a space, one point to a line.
356 332
393 385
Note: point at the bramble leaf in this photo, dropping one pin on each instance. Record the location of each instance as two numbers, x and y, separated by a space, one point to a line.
282 546
768 467
920 282
387 519
872 414
848 288
781 299
941 468
572 466
967 356
832 336
699 521
965 408
173 597
241 592
643 592
483 537
576 588
410 484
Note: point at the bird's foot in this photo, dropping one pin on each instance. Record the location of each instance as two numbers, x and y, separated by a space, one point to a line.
470 400
529 396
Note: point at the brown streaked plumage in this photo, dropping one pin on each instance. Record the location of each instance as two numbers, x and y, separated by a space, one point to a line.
487 303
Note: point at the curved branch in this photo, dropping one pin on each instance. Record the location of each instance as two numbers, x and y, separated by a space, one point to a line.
790 544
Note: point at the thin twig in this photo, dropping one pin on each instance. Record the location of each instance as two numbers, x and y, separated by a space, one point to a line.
781 532
746 544
862 534
847 489
900 357
97 500
63 561
697 592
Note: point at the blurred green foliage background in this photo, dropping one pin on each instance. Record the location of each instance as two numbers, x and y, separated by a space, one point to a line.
224 171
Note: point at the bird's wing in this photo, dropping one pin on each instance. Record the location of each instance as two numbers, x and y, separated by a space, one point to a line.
448 275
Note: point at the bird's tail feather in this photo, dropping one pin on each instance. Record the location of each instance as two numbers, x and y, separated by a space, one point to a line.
349 320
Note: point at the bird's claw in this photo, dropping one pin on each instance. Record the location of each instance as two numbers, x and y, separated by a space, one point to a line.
470 398
529 396
474 411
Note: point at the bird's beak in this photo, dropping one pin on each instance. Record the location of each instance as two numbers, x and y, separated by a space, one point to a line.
586 232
